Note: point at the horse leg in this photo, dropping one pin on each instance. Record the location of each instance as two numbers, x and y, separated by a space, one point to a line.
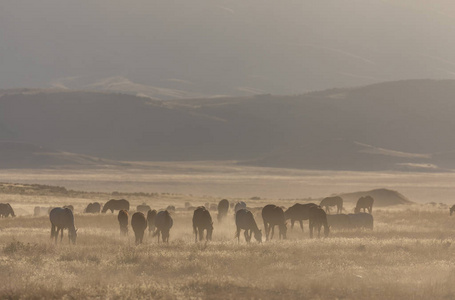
201 233
266 229
195 234
311 229
292 223
52 230
237 235
61 235
273 231
301 224
246 236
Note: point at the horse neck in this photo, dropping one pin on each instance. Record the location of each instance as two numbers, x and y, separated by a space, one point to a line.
254 226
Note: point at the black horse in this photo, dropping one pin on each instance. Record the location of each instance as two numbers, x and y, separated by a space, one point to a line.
298 212
139 224
244 219
116 205
272 216
202 221
365 203
163 224
318 218
62 218
6 210
123 221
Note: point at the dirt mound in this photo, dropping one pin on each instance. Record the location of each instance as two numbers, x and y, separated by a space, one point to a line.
382 197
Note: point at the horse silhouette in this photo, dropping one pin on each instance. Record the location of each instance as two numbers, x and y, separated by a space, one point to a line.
122 218
202 221
62 218
116 205
318 218
365 203
163 224
223 208
139 224
143 208
151 215
332 201
6 210
93 208
298 212
452 209
272 216
361 220
244 219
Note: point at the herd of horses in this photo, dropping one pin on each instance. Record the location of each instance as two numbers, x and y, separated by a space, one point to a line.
160 223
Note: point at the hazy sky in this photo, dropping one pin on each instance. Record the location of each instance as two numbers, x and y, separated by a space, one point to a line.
211 47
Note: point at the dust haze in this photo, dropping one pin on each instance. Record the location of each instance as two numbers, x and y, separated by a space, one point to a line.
216 149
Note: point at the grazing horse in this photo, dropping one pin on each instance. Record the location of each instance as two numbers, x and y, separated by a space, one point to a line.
69 206
452 209
298 212
163 224
339 221
239 205
332 201
143 208
151 215
244 219
123 221
62 218
139 224
361 220
223 208
202 221
365 203
93 208
6 210
116 205
318 218
272 216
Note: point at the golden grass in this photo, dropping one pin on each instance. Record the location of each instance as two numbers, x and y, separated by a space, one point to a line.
409 255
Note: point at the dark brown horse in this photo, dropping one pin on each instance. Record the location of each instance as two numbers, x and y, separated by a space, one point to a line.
332 201
202 221
223 208
151 215
123 221
62 218
244 219
139 224
298 212
116 205
163 224
318 218
272 216
365 203
6 210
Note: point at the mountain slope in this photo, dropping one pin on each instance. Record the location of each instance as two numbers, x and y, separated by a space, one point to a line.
393 125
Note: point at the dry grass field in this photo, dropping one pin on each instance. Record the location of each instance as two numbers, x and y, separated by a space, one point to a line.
410 254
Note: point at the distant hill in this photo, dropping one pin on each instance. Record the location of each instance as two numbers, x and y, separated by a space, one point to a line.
404 125
382 197
346 155
26 155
